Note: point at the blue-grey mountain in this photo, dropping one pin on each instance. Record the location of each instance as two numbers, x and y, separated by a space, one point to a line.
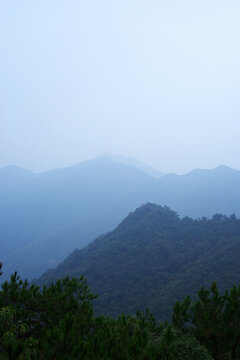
44 217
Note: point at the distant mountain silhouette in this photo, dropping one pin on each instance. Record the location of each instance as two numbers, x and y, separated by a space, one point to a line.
202 192
132 161
154 258
85 197
43 217
12 177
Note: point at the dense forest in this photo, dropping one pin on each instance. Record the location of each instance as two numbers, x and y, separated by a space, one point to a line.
59 323
154 258
144 276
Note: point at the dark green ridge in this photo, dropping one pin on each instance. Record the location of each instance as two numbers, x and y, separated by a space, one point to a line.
154 258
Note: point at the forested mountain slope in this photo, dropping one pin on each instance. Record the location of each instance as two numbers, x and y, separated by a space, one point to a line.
154 258
47 215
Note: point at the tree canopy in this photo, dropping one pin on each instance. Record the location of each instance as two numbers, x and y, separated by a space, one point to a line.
154 258
58 322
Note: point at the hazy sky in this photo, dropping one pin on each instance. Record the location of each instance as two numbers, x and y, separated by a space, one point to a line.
154 79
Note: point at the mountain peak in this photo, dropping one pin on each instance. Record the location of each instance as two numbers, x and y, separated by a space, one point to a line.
158 214
132 161
221 169
224 168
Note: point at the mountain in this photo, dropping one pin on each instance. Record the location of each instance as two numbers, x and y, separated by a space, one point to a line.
12 177
51 249
45 216
85 200
201 192
154 258
132 161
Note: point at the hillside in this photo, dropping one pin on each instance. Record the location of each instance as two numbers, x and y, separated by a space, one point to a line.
12 178
201 192
45 216
154 258
84 200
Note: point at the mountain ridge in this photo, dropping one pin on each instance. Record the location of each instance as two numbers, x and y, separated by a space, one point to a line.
90 198
154 257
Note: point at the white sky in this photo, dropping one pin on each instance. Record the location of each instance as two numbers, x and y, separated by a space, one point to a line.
154 79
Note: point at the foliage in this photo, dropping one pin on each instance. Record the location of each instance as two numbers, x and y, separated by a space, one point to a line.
58 323
153 249
214 319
